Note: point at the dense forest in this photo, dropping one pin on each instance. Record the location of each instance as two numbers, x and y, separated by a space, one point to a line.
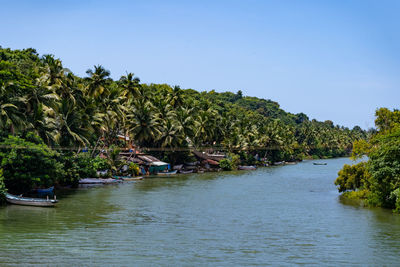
377 180
48 115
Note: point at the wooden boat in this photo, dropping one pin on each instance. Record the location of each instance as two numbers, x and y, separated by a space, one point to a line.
28 201
167 173
98 181
116 177
316 163
127 178
247 168
133 178
186 171
204 155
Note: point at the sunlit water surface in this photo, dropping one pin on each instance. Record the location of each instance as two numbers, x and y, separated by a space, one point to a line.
276 215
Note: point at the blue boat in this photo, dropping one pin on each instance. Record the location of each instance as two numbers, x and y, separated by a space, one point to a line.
45 192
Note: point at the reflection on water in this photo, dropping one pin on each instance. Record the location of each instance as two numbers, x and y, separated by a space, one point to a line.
279 216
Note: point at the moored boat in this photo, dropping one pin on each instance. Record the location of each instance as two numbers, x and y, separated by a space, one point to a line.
186 171
247 168
28 201
133 178
317 163
167 173
98 181
45 192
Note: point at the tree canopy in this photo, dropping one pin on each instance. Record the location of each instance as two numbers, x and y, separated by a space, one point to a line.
39 95
379 177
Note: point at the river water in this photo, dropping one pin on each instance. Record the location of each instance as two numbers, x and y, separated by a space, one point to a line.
272 216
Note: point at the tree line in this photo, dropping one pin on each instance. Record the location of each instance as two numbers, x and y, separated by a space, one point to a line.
42 102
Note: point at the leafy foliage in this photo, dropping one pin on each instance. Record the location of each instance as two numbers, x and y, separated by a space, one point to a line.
379 177
28 164
3 189
134 169
353 177
226 164
384 166
38 94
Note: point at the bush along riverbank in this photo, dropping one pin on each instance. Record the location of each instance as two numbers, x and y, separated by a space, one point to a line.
3 189
376 181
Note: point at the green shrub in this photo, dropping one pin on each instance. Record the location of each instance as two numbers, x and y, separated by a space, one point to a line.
396 196
134 169
71 176
226 164
315 157
82 165
85 164
100 164
27 164
235 160
114 160
3 189
247 158
353 177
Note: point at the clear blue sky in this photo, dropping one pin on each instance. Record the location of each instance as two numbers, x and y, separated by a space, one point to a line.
336 60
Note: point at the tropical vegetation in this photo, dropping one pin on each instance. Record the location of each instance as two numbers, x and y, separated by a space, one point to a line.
377 180
51 115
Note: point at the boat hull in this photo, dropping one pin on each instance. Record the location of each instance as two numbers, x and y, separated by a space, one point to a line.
186 172
167 173
36 202
247 168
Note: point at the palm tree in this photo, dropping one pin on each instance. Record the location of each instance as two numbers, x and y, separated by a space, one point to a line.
185 118
171 134
43 123
52 72
130 85
114 114
175 97
97 81
11 117
71 129
144 125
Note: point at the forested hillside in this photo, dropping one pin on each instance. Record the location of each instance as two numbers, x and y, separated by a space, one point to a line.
39 96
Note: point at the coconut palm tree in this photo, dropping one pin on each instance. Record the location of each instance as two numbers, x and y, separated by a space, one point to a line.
72 131
11 117
175 97
144 125
98 81
43 123
130 86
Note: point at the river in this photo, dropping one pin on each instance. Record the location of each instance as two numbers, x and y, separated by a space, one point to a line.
275 215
